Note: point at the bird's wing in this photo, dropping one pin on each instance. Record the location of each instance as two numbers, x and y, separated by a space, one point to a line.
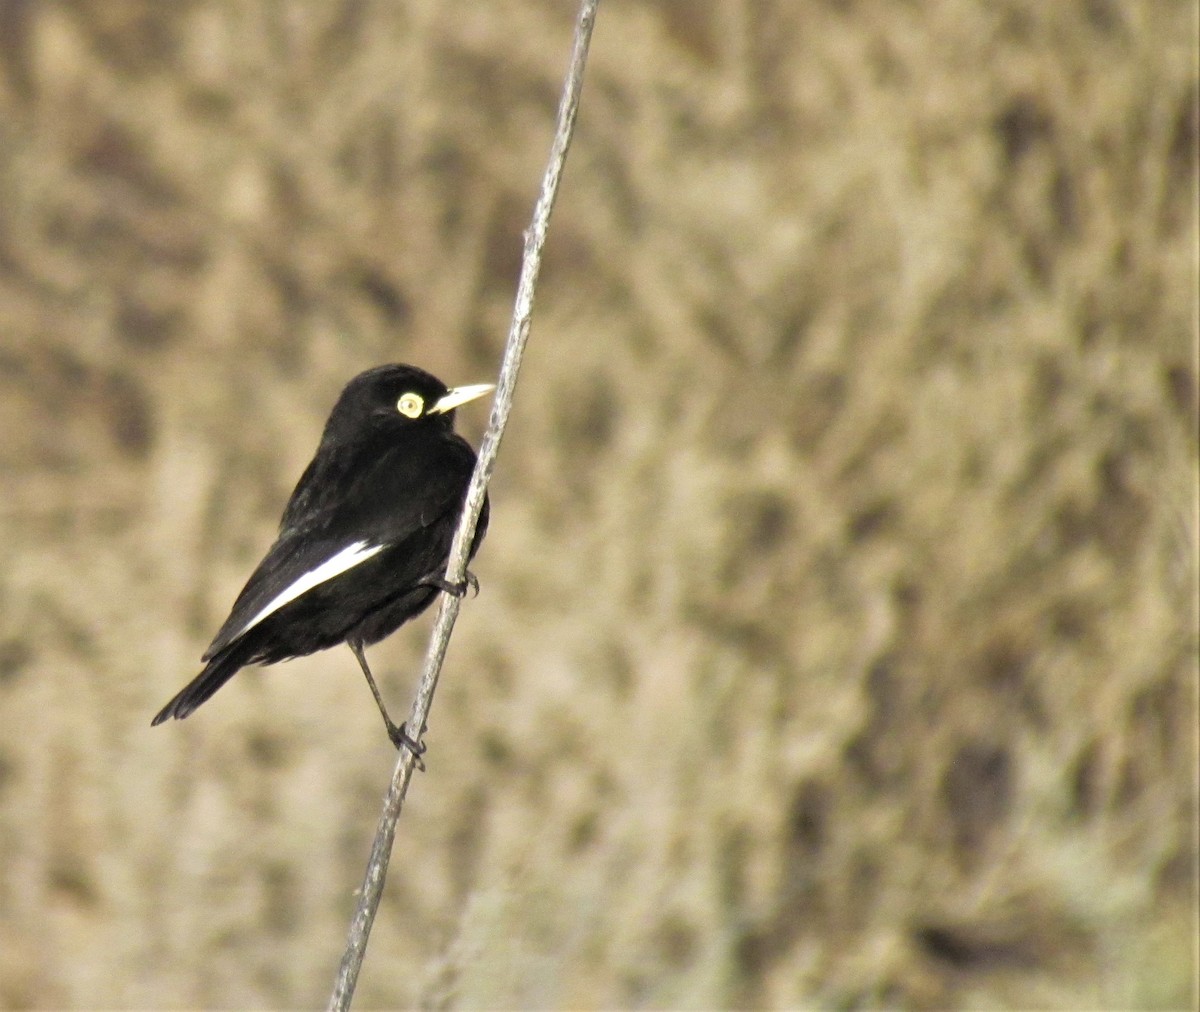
386 501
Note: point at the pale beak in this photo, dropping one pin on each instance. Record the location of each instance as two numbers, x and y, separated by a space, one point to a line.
460 395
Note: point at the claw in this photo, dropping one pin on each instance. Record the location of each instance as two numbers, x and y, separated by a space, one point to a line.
454 589
402 739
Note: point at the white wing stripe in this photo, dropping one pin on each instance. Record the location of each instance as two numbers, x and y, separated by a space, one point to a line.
347 558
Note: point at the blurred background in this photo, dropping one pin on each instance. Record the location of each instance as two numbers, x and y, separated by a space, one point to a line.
838 632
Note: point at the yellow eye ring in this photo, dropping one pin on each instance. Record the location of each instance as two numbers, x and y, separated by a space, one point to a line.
410 405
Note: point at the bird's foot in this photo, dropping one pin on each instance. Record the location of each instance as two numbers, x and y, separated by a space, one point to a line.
402 739
454 589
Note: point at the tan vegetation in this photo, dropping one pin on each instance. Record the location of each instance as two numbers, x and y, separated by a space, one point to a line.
837 642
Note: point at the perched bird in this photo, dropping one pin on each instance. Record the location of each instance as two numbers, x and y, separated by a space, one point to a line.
364 539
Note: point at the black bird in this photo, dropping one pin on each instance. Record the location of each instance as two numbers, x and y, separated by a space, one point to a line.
364 539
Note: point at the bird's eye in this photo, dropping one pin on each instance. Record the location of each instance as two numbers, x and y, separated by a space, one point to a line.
410 405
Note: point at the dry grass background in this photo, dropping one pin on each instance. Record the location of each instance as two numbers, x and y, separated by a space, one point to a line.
837 643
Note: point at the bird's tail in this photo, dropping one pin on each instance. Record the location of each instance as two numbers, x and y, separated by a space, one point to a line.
215 674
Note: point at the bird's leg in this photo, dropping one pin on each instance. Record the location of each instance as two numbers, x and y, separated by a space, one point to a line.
396 732
456 589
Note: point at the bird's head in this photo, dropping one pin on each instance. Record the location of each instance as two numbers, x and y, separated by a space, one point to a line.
396 397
